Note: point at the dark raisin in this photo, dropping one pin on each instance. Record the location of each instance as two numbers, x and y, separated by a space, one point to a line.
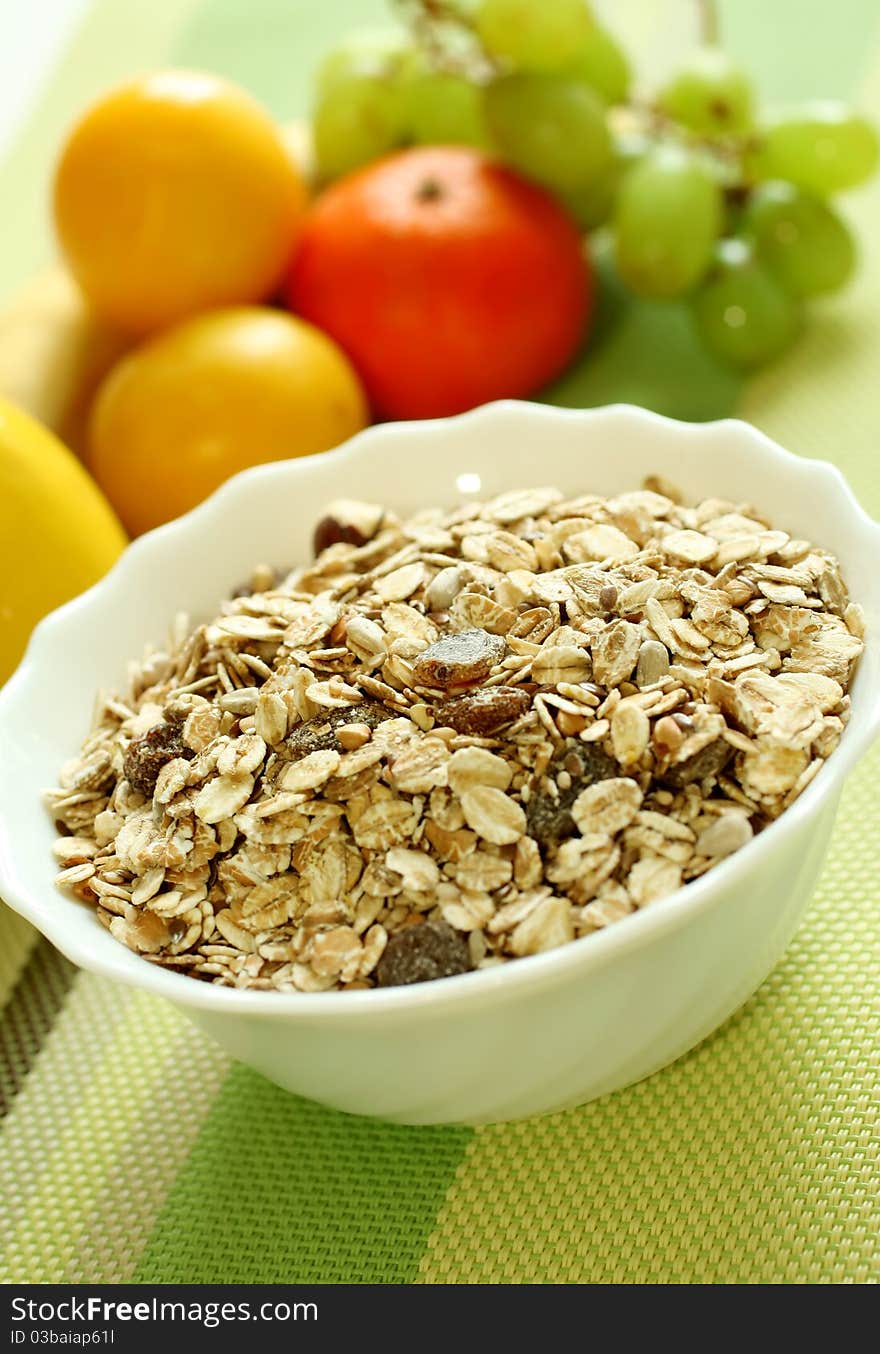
459 660
422 952
548 816
347 521
709 761
319 733
484 711
145 756
608 597
330 531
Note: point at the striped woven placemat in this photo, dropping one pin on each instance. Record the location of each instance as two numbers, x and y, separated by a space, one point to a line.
131 1149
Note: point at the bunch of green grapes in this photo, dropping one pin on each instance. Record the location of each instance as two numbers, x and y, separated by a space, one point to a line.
701 197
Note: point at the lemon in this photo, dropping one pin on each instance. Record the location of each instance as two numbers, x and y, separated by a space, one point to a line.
54 351
58 534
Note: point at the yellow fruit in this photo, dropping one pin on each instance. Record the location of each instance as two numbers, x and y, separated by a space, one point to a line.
58 534
211 397
175 193
54 351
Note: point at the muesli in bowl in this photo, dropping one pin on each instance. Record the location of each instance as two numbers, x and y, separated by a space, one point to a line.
460 739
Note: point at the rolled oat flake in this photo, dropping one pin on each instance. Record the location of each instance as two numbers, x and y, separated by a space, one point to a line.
372 788
709 761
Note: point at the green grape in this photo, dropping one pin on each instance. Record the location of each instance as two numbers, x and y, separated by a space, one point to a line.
801 240
551 128
380 55
742 313
666 221
446 110
710 95
356 120
603 65
539 35
591 204
824 148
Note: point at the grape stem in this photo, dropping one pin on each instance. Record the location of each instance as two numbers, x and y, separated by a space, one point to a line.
445 32
710 29
433 23
653 122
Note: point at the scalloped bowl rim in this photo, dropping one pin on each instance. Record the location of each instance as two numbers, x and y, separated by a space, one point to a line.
71 929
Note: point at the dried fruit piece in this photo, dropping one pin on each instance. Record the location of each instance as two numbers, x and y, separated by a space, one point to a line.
421 953
459 660
485 711
146 756
709 761
329 531
608 596
574 768
347 521
314 735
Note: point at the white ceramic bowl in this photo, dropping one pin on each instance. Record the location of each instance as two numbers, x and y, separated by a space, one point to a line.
535 1035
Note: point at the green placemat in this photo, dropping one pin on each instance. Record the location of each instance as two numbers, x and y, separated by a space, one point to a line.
130 1149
